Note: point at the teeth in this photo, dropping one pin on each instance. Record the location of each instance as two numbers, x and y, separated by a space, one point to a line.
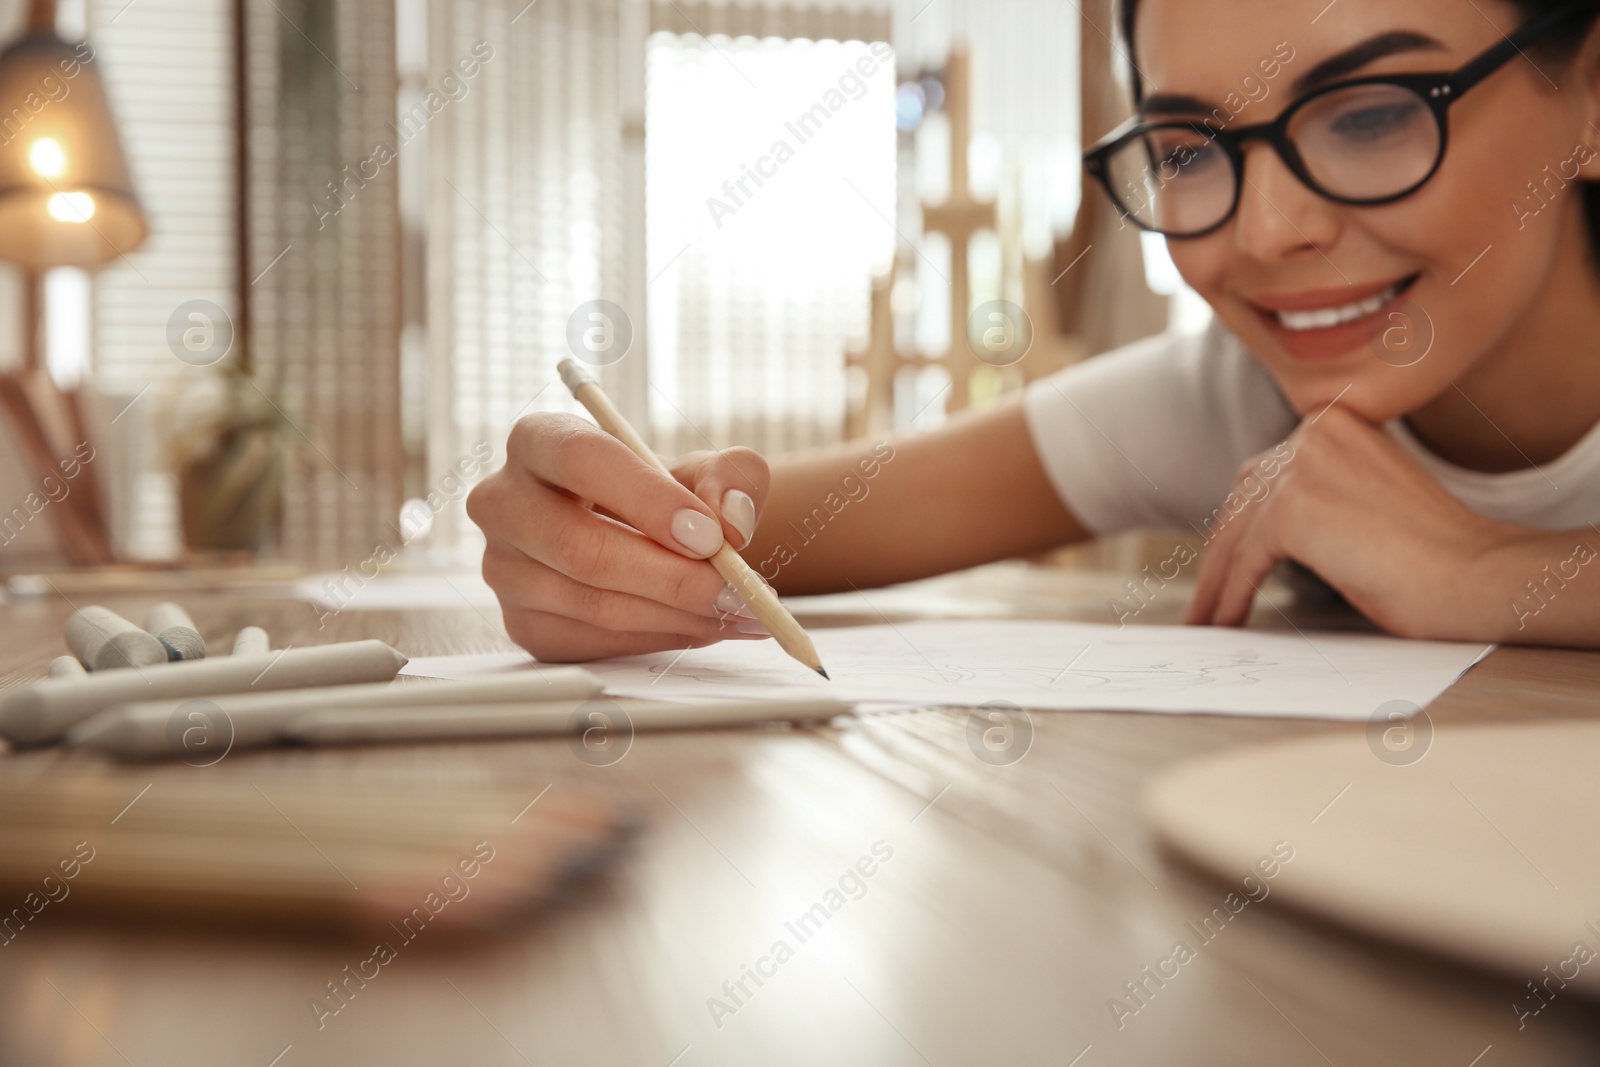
1322 318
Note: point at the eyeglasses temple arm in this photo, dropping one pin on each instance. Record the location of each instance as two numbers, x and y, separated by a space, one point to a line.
1491 60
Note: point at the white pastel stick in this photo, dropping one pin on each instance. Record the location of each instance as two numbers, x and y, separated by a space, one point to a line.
444 722
249 720
46 710
66 667
103 640
174 629
250 641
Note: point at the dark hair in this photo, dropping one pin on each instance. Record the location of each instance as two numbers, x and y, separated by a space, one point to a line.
1559 44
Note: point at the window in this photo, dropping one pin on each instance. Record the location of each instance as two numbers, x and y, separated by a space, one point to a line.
770 188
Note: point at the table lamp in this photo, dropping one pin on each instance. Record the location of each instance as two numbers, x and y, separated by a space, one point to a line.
65 195
66 200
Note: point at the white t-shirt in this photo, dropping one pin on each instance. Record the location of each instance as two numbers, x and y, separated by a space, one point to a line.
1153 435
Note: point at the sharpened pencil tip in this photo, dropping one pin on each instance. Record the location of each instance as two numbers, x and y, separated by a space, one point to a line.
823 673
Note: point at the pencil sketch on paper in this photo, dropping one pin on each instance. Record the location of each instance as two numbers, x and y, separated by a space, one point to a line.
1104 667
1061 665
1117 667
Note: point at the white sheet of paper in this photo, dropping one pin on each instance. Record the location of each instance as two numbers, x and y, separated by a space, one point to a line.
472 665
1050 665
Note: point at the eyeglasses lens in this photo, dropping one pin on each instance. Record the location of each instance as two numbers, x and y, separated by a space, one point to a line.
1368 142
1365 143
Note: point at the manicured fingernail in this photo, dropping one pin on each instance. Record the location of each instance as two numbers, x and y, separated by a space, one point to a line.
700 534
739 511
730 603
752 628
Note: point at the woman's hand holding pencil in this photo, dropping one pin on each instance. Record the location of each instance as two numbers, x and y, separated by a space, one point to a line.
595 552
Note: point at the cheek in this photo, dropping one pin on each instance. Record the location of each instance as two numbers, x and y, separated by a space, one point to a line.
1465 226
1484 262
1203 262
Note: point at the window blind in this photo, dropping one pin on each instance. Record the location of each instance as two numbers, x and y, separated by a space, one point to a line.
324 259
167 66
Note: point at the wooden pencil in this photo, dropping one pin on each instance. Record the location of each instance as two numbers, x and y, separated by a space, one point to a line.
750 586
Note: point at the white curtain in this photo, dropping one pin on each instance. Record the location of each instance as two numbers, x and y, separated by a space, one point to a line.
529 215
324 259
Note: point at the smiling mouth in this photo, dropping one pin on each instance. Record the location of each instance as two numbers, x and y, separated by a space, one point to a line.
1323 318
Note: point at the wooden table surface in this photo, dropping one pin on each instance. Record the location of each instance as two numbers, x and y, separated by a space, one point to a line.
1015 901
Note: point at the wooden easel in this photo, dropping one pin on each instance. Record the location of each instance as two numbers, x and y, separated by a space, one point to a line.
880 362
959 218
48 424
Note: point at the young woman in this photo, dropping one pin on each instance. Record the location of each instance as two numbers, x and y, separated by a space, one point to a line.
1389 204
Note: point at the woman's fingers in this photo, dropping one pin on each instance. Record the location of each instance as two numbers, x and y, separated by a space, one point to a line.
595 552
585 462
558 639
734 483
524 583
1248 567
1232 566
1214 574
551 528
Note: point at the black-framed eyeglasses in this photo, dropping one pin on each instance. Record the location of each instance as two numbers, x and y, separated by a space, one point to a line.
1362 142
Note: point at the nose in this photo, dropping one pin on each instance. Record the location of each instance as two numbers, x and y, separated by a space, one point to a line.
1278 216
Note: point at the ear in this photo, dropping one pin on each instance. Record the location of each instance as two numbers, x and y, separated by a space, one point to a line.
1585 79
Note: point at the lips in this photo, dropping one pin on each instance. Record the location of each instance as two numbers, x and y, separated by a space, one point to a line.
1327 323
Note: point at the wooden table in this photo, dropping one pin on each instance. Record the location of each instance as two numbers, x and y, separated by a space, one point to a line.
1015 901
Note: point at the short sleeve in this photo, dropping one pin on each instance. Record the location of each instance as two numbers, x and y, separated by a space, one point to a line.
1152 434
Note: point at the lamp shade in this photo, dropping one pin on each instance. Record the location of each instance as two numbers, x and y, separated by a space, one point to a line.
65 195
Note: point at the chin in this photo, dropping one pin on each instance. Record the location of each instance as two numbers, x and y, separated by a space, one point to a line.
1377 394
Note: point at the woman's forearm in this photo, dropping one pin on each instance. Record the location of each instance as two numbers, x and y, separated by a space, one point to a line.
893 508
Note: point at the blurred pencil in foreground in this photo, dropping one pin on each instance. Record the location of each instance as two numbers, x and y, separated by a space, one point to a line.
392 854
